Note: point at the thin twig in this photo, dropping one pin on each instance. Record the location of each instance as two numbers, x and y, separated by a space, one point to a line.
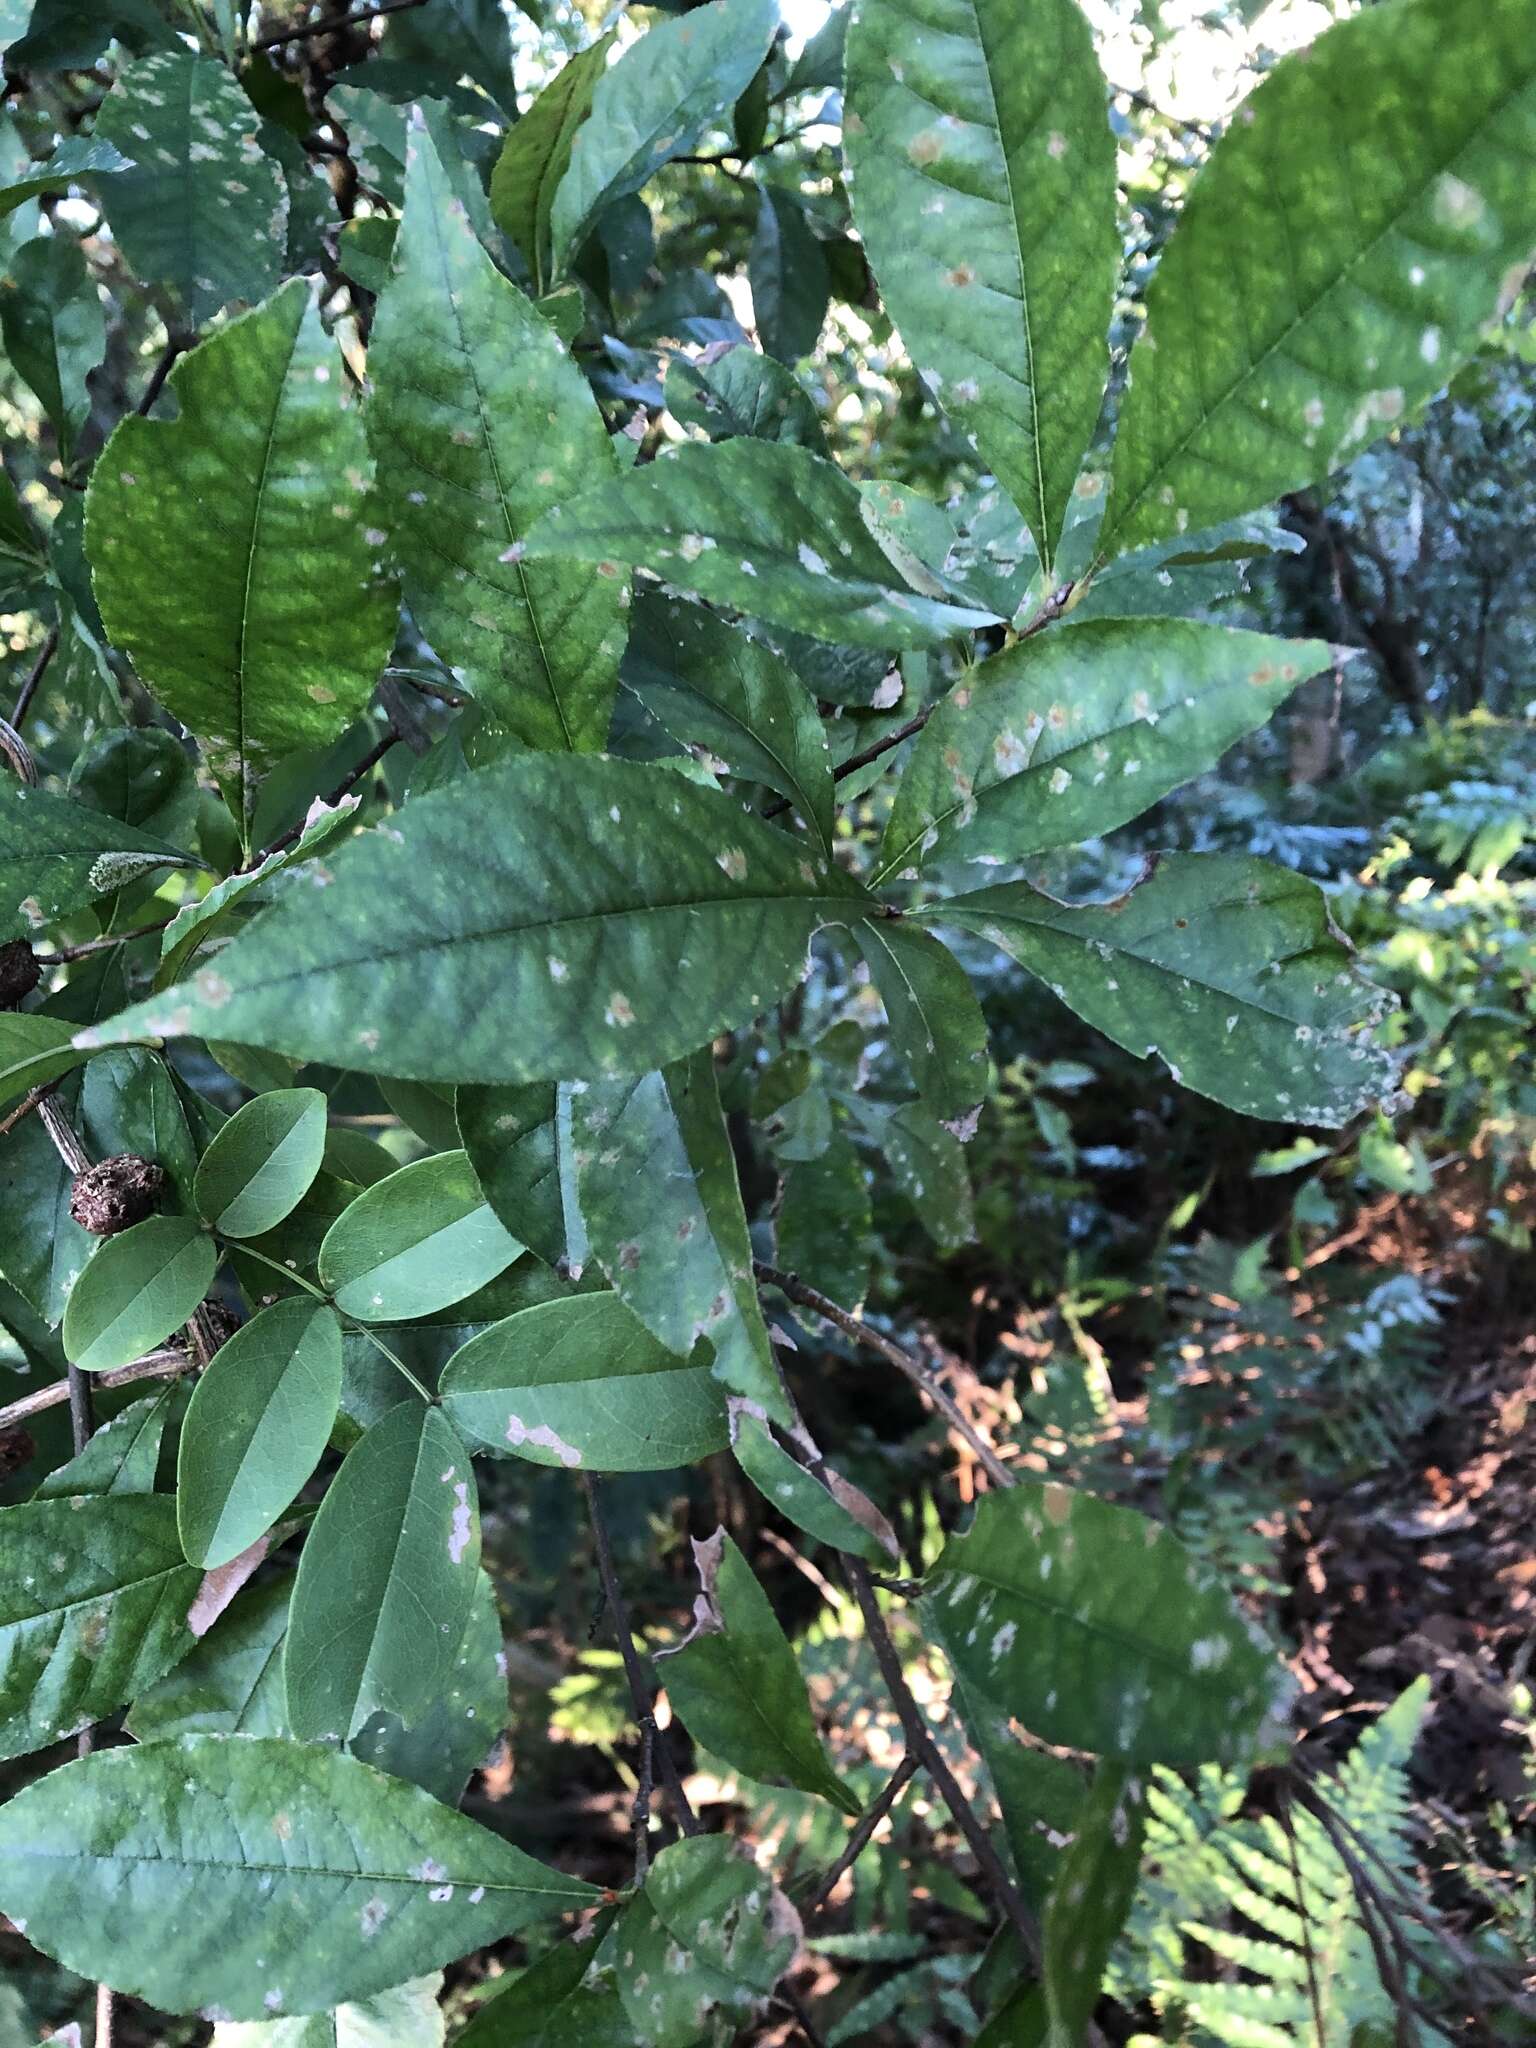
154 1365
25 1107
795 2005
177 346
326 28
348 782
642 1689
859 1840
35 675
926 1382
143 931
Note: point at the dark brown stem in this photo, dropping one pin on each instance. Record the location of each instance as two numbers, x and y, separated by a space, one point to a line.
642 1688
348 782
35 675
177 346
862 759
863 1833
79 952
25 1107
345 21
926 1382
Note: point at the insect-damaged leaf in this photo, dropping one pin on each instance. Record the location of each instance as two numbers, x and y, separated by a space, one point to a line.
1228 967
261 1164
94 1593
1333 264
662 1204
386 1578
982 172
461 1728
56 856
735 1683
823 1504
414 1242
258 1423
203 209
480 421
141 1285
580 1382
1061 738
480 901
762 526
1099 1630
232 549
279 1876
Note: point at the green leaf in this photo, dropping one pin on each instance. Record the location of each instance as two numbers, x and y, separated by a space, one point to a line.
415 1241
581 1382
54 329
788 275
512 1137
762 526
260 1418
735 1684
830 1510
982 171
654 104
462 1727
1063 737
480 421
460 39
123 1456
141 1285
701 918
231 1681
536 152
33 1049
232 552
928 1164
1336 259
1227 967
1099 1630
204 209
57 856
710 686
569 1998
1089 1901
94 1593
740 392
77 157
408 2016
1039 1794
262 1162
935 1019
279 1876
823 1229
386 1578
663 1209
703 1945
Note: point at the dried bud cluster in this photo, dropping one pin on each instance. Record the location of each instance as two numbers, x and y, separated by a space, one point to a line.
116 1193
19 973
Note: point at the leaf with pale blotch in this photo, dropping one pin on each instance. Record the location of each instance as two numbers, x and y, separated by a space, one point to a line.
386 1578
742 392
982 172
78 157
654 104
56 856
414 1242
408 2016
1064 737
260 1418
94 1593
204 210
478 903
580 1382
822 1503
657 1183
232 549
142 1284
1229 968
231 1680
927 1161
823 1228
54 329
123 1455
1100 1631
762 526
935 1019
704 1944
480 422
463 1725
261 1164
536 153
1353 230
710 686
280 1876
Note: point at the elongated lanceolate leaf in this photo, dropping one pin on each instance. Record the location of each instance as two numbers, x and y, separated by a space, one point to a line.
260 1418
386 1579
123 1455
982 172
479 903
94 1593
278 1876
232 549
663 1209
414 1242
54 329
141 1285
536 152
231 1681
1090 1899
654 104
204 209
581 1382
1100 1631
1227 967
935 1019
261 1163
1352 232
762 526
56 856
823 1504
480 422
1062 738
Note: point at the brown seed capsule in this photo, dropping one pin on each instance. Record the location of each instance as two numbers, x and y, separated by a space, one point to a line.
116 1194
19 973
